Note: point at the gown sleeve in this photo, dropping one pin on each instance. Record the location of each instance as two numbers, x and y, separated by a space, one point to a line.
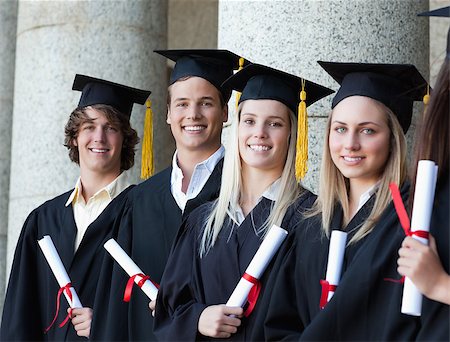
287 309
177 310
110 321
21 320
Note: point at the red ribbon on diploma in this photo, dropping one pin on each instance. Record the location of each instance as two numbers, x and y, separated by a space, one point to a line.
65 289
129 287
404 222
253 295
403 215
326 289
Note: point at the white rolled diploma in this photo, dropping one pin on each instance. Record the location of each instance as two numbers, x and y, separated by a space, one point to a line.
421 216
338 240
257 266
130 267
57 267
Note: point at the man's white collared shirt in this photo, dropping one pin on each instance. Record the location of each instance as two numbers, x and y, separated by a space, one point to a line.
200 176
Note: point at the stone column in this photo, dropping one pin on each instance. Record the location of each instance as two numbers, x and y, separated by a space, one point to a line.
438 39
8 28
192 24
293 35
55 40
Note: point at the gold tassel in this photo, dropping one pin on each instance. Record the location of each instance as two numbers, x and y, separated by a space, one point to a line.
426 98
147 167
301 157
238 93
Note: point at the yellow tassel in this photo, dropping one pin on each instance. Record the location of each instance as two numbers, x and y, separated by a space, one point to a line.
301 157
238 93
426 98
147 167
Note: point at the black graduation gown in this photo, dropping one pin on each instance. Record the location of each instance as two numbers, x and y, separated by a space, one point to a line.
190 284
148 227
435 316
293 292
366 305
30 301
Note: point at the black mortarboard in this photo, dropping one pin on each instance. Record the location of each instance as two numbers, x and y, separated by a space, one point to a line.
440 12
257 81
397 86
214 66
97 91
443 12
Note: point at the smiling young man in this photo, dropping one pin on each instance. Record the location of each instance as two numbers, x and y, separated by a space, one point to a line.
101 141
196 110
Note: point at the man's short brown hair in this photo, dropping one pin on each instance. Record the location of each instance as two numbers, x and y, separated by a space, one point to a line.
169 94
115 118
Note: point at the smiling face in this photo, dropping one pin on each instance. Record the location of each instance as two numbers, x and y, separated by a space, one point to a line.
263 133
99 145
195 115
359 139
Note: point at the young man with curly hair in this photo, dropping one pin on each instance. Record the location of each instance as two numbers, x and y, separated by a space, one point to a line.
101 141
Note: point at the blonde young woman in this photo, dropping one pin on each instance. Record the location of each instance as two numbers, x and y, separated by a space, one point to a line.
364 151
218 240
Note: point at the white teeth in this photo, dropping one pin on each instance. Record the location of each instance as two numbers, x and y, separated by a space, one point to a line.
259 147
352 159
194 128
97 150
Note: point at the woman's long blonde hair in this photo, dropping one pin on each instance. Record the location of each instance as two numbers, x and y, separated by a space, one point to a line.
228 199
334 187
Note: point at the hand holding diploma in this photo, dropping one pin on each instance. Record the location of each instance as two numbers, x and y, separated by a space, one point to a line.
132 270
249 286
219 321
422 265
420 226
81 320
57 267
336 253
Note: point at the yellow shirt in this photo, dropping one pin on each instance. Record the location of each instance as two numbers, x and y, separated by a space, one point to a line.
86 213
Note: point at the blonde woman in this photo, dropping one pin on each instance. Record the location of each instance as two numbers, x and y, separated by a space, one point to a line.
365 150
219 239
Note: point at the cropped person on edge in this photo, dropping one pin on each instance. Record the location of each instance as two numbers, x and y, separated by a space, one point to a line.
101 141
364 150
428 266
218 240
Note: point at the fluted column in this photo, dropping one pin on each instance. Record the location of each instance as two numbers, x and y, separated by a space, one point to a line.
293 35
55 40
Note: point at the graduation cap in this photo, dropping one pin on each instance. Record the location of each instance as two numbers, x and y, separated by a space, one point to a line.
97 91
440 12
257 82
443 12
397 86
214 66
121 97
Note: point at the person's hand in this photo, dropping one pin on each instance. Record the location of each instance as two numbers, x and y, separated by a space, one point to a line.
81 320
152 306
422 265
220 321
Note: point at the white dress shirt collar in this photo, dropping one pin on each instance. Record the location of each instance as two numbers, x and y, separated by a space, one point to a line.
201 174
